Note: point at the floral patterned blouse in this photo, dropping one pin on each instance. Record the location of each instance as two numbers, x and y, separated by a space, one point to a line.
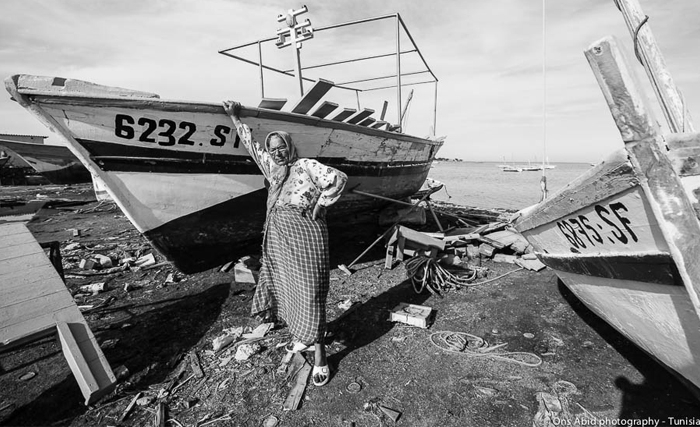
308 181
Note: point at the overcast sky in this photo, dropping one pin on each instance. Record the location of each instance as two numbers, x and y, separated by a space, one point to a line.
487 55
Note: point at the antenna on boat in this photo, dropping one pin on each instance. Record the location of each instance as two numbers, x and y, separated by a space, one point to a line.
295 33
543 180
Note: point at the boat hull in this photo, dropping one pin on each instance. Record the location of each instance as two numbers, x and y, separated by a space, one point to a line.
602 239
179 173
54 162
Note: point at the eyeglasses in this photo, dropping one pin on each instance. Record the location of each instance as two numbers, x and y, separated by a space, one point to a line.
279 149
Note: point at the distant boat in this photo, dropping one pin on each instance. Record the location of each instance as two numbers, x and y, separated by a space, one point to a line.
54 162
625 236
508 168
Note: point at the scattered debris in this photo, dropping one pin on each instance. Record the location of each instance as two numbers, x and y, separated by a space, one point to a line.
196 366
28 376
94 288
145 261
246 270
391 413
528 335
245 351
128 409
411 314
230 335
354 387
270 421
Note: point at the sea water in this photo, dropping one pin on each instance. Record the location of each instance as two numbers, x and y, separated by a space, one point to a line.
485 185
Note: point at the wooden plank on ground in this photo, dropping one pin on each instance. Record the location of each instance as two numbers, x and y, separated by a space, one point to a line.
357 118
312 96
347 112
297 391
35 300
272 103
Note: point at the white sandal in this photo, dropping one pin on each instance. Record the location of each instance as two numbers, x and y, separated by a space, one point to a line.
298 347
324 371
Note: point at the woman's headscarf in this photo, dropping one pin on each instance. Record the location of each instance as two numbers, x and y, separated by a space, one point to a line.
279 172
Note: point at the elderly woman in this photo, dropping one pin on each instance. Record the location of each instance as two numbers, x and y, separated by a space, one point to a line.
294 276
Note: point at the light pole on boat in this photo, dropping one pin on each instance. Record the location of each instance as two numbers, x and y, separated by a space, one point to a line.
294 34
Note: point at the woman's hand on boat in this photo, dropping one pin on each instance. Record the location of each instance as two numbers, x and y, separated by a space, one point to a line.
232 108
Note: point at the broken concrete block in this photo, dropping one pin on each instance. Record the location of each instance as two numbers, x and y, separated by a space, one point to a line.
530 264
105 261
87 264
243 274
145 260
72 246
486 250
74 232
473 251
245 351
94 288
510 259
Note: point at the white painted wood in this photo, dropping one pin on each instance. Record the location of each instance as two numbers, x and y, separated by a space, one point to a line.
668 94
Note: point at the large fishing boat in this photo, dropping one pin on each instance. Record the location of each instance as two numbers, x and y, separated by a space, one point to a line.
179 173
624 237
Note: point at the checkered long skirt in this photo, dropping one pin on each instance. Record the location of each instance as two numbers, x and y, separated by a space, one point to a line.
295 274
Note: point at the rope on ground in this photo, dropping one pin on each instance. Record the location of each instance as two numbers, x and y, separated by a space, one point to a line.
425 272
473 346
498 277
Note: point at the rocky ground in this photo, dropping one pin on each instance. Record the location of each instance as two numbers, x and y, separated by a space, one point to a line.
149 321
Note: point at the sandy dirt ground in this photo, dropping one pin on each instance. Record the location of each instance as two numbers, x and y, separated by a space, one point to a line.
148 322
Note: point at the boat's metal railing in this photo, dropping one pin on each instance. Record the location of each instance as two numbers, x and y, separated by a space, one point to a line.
400 26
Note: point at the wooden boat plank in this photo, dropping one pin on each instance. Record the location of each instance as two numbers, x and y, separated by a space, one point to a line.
662 186
347 112
368 121
357 118
324 109
272 103
312 96
608 178
378 124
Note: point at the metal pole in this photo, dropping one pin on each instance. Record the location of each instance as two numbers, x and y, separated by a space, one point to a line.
262 83
398 71
435 110
297 54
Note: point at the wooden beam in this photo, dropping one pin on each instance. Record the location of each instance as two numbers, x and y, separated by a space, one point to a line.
662 187
347 112
324 109
357 118
621 88
312 96
272 103
379 124
670 98
366 122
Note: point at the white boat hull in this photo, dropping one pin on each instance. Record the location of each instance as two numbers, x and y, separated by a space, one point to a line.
178 170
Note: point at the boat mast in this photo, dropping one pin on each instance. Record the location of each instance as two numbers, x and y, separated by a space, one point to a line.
294 34
648 53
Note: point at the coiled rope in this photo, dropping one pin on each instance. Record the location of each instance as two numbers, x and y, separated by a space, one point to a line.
426 273
473 346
